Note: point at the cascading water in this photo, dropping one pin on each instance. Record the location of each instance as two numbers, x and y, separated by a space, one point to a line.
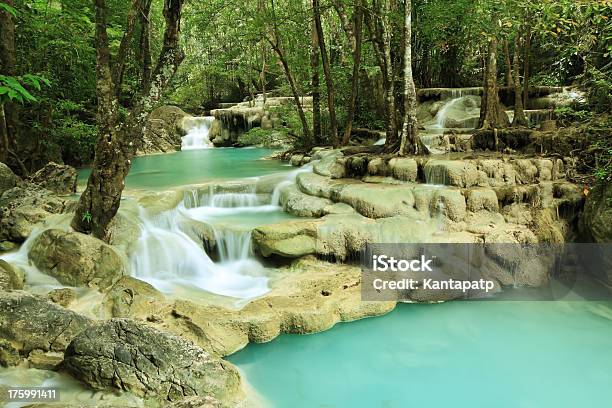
166 255
197 136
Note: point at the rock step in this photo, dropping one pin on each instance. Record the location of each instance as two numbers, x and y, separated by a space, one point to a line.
483 172
382 200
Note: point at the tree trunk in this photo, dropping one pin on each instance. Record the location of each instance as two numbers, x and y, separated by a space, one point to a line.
409 143
391 144
262 74
315 85
145 43
124 46
327 73
519 119
117 143
7 67
508 77
355 77
492 114
4 143
345 22
294 91
276 46
526 65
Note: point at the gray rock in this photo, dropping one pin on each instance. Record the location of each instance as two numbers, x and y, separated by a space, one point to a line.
59 178
76 259
131 296
31 322
21 208
596 221
8 179
9 355
303 205
595 225
131 356
45 361
10 276
163 132
63 296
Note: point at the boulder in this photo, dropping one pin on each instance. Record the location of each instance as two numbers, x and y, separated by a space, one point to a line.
377 200
130 296
9 355
450 203
596 220
76 259
6 246
62 296
291 239
163 132
482 199
59 178
131 356
21 208
403 169
31 322
457 173
303 205
45 360
8 179
10 277
595 225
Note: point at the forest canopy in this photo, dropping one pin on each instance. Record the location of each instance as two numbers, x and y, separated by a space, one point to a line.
236 49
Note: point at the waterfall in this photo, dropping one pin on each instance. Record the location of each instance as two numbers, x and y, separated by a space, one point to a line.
289 180
166 255
380 142
435 174
197 135
443 113
233 245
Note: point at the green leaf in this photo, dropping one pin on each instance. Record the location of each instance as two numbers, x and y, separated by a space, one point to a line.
8 9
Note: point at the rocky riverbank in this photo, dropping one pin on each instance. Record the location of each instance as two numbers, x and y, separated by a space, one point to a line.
115 332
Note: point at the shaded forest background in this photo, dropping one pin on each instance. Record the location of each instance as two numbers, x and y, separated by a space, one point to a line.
230 55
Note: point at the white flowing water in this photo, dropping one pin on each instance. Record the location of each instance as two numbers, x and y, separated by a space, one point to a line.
442 114
197 136
167 255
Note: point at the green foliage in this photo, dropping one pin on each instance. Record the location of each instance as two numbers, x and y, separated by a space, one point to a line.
545 79
11 10
568 115
76 139
12 88
87 217
599 91
602 151
276 138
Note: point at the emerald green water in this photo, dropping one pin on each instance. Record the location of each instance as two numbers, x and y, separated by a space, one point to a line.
196 166
459 354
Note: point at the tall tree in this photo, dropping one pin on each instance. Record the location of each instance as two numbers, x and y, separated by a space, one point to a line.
409 141
117 142
355 40
8 111
315 84
377 20
275 42
331 104
519 119
492 115
145 43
